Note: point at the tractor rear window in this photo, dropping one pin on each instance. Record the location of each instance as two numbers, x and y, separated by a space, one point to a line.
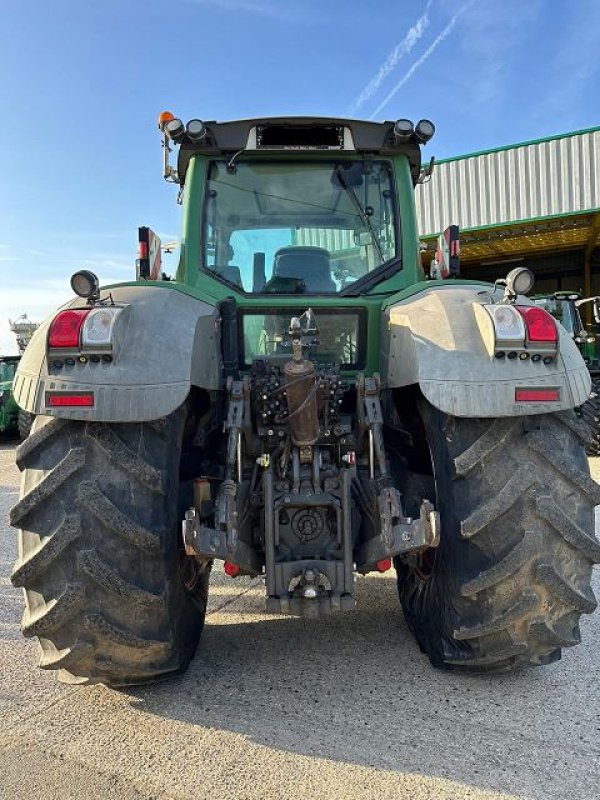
339 337
296 227
7 370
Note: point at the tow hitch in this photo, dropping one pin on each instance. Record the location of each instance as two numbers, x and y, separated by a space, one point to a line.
306 497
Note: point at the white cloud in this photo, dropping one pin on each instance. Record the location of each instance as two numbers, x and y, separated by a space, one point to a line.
126 266
402 49
281 11
90 237
420 61
575 66
489 56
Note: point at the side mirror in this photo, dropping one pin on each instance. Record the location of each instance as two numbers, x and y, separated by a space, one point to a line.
596 307
446 263
362 238
148 265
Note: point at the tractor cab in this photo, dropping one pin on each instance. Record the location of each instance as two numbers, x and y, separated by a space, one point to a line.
297 206
287 214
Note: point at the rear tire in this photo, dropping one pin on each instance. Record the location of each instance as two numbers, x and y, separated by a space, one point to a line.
100 560
25 422
511 576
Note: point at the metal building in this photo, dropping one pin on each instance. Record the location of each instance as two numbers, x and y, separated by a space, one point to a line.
536 202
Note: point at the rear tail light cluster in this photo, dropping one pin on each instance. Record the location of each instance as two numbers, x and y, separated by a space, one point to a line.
523 332
66 329
83 330
540 325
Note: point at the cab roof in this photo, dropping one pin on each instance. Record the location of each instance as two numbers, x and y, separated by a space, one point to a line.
299 135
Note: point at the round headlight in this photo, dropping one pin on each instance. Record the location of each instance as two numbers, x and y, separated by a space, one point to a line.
403 129
85 284
424 130
520 280
174 129
195 130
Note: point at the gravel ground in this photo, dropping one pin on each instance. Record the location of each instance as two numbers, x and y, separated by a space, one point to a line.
277 708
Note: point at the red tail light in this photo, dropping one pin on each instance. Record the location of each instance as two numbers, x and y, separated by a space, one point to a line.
536 395
231 569
65 328
540 325
61 399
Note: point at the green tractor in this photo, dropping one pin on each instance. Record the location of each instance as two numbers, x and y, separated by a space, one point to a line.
300 403
565 307
9 410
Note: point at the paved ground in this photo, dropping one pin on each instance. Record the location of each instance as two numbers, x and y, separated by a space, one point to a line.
278 708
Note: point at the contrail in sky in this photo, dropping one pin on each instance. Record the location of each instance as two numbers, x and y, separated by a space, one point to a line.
420 61
410 39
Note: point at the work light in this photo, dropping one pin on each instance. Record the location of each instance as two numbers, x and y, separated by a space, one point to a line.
403 129
174 129
424 130
85 284
520 280
195 130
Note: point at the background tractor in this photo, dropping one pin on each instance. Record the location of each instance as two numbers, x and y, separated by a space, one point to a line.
565 307
301 404
9 410
13 418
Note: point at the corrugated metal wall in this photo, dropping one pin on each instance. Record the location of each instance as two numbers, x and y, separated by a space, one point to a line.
331 239
556 176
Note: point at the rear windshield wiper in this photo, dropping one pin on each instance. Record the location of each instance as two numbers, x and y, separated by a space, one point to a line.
372 278
361 211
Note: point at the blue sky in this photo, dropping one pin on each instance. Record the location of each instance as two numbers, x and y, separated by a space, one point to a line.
82 84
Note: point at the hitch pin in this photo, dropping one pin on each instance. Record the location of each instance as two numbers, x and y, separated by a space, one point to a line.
239 457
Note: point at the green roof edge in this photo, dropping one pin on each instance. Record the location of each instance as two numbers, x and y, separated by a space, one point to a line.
518 144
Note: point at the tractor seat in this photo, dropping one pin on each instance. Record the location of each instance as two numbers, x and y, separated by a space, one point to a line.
312 264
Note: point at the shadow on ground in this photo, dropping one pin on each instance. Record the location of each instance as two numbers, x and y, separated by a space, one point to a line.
354 688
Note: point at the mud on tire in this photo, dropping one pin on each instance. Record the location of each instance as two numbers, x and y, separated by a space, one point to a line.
512 574
99 554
